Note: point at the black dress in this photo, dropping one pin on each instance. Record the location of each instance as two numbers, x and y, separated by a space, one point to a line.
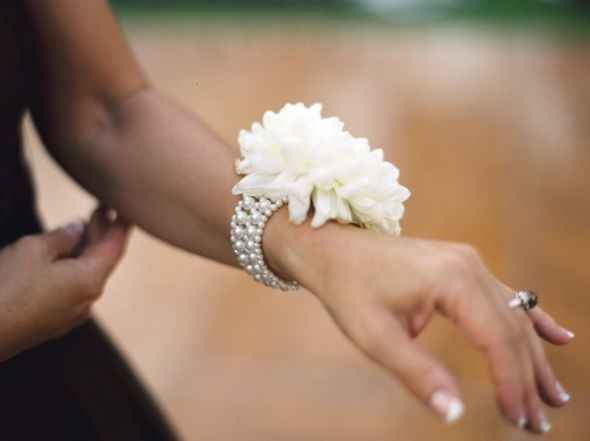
79 387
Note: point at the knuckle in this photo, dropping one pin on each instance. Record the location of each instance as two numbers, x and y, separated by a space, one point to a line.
468 254
454 264
460 264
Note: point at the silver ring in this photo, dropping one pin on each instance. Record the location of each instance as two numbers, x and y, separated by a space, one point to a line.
524 299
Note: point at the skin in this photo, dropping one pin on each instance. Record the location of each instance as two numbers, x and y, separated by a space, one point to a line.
114 133
66 272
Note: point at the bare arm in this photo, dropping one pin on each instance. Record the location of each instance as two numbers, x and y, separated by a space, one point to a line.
136 151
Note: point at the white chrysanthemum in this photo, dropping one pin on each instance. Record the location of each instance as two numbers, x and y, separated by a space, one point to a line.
310 159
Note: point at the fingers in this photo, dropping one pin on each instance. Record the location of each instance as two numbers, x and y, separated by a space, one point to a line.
548 329
61 242
511 373
494 328
477 313
384 340
105 241
536 375
104 245
520 370
549 388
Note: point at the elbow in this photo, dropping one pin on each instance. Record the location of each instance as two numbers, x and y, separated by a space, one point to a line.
80 122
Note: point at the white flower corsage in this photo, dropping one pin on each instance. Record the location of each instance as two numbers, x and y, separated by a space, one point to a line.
298 155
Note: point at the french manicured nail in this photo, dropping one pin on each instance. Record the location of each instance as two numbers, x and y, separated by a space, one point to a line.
544 425
563 395
74 228
521 423
570 334
448 406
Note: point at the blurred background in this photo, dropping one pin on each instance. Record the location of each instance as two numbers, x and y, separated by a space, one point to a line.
484 106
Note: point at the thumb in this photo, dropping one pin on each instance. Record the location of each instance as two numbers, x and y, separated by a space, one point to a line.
64 241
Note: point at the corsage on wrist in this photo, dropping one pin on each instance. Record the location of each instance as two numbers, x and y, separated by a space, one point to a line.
299 159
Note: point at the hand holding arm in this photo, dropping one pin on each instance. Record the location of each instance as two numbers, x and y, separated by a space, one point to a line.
50 281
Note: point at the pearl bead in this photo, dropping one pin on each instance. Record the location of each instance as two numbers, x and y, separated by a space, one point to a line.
246 231
264 204
248 202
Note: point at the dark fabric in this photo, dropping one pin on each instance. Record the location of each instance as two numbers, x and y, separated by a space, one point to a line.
76 388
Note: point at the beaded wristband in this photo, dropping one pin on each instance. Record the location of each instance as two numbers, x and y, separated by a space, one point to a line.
247 227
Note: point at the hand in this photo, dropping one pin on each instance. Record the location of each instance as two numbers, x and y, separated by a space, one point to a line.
382 292
50 281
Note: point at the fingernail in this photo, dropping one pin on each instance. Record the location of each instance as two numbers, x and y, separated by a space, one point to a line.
107 213
448 406
521 423
74 228
544 425
563 395
570 334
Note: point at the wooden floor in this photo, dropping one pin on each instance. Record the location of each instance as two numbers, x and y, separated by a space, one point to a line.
491 134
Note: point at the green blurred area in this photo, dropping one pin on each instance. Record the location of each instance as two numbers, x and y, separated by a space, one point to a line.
234 6
570 16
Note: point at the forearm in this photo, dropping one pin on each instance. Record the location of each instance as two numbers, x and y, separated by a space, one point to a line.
162 169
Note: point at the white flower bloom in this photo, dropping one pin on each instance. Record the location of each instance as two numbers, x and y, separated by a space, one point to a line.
310 159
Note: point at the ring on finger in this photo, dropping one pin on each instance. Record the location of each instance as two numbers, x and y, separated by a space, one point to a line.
524 299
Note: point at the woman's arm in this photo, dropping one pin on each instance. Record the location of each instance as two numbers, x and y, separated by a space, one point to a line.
160 167
153 161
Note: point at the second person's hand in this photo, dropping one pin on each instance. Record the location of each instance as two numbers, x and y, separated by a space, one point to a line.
49 282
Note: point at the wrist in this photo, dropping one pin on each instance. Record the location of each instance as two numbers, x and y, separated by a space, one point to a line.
298 252
277 240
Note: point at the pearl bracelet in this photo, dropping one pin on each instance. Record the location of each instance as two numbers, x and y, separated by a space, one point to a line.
247 227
